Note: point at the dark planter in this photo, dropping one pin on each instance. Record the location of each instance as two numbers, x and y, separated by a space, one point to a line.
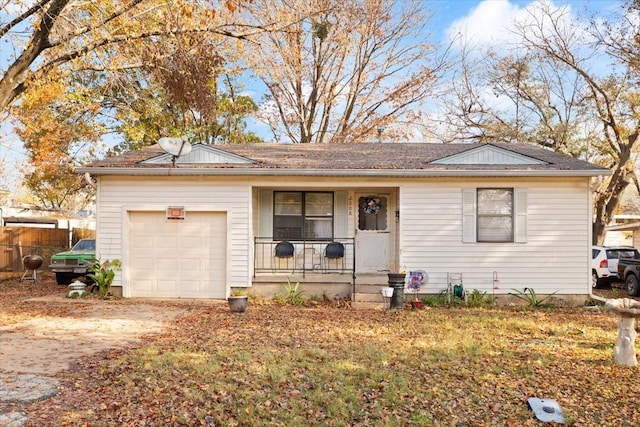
238 304
396 281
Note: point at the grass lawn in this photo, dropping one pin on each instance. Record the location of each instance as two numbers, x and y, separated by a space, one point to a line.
323 366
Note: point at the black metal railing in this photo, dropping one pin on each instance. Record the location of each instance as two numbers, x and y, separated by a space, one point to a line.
303 256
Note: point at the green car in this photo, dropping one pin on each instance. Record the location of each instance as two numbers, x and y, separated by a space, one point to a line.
75 262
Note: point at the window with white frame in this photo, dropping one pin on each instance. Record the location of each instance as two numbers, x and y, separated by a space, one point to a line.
494 215
300 215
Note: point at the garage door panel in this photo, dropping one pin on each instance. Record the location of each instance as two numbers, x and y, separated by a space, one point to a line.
192 252
166 265
192 261
192 287
144 285
142 242
167 242
178 259
143 263
190 242
166 287
206 266
191 273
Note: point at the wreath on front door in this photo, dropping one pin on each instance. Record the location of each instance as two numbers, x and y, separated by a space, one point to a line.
371 205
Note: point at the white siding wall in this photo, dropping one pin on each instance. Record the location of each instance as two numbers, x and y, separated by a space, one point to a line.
119 195
555 256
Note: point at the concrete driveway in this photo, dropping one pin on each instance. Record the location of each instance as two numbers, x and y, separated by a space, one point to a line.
34 350
47 345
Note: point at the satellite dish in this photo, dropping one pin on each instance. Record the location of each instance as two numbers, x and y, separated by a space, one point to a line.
175 146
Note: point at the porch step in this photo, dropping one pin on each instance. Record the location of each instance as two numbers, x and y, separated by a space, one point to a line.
370 289
368 297
379 280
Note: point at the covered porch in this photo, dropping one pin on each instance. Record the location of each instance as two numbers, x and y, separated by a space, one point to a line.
336 242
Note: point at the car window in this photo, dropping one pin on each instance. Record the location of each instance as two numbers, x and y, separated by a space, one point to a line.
595 253
85 245
631 253
612 254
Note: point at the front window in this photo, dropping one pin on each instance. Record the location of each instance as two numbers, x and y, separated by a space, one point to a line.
495 215
299 215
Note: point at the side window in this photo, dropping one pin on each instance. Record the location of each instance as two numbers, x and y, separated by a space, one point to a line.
495 215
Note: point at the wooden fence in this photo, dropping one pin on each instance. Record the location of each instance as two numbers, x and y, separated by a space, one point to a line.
16 242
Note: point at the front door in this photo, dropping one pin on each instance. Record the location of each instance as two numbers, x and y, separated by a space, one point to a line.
375 232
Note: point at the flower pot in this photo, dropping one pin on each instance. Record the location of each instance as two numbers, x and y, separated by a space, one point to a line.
417 305
396 278
238 304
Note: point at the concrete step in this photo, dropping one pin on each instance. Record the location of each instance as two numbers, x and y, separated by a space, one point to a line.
367 297
372 279
370 288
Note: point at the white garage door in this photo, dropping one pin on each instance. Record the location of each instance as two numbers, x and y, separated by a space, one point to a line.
178 259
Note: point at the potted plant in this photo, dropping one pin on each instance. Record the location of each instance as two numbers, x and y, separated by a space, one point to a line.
415 283
238 301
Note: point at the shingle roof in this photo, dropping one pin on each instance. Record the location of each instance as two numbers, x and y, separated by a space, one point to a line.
356 158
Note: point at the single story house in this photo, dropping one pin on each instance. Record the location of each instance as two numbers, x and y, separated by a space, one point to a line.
339 217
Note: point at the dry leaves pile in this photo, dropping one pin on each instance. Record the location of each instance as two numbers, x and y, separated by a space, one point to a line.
281 365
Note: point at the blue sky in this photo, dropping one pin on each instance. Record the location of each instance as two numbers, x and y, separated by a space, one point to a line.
484 20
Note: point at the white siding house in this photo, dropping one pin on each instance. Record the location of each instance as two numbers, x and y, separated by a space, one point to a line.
503 216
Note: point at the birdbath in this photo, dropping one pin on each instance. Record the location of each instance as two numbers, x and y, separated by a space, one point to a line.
624 352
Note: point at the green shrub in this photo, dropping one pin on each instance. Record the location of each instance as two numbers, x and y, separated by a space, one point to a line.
292 294
532 299
102 274
435 300
477 298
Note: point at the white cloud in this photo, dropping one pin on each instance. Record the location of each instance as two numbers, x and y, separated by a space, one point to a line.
486 24
492 22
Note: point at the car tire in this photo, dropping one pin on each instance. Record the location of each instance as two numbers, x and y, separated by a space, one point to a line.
63 278
595 282
632 285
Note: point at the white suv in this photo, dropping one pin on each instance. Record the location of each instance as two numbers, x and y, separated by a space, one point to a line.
604 263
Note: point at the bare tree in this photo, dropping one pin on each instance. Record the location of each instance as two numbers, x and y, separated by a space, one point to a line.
342 70
553 92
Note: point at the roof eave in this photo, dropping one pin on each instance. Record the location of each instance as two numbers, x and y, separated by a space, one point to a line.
412 173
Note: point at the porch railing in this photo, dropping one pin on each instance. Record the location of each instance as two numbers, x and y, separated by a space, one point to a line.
307 256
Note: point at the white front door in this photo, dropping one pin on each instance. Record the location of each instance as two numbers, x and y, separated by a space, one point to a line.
375 232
